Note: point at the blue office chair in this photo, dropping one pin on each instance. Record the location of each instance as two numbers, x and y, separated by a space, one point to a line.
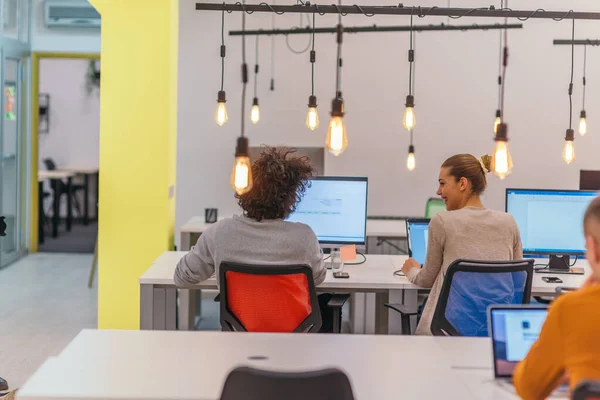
245 383
586 390
469 288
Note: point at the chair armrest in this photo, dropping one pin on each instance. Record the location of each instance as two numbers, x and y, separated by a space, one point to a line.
541 300
401 308
338 300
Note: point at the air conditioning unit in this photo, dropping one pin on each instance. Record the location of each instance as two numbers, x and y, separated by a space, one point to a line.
64 13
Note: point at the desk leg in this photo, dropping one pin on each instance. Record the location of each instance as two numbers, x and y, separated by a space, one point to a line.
409 299
69 203
158 308
357 313
381 313
186 311
41 214
97 193
55 207
184 241
86 199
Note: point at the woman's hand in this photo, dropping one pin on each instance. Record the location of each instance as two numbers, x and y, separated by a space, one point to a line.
591 280
410 264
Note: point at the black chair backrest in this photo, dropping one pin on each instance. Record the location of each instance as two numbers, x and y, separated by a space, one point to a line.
50 164
471 286
245 383
587 390
268 298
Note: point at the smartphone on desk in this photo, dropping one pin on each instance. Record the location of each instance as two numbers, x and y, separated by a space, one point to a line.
552 279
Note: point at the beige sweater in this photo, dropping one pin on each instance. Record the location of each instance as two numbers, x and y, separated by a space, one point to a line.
469 233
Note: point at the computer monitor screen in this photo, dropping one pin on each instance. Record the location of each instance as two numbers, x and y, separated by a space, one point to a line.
589 180
550 221
513 331
336 210
418 235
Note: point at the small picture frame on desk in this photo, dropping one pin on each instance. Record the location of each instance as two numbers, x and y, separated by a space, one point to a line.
211 215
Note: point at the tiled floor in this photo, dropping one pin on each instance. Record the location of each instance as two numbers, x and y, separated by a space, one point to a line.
44 303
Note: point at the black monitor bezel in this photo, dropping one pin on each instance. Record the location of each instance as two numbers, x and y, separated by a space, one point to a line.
527 251
346 179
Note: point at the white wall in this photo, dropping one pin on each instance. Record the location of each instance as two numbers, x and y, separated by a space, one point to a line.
456 97
74 114
71 40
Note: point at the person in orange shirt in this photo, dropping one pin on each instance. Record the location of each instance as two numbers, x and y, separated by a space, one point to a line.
569 343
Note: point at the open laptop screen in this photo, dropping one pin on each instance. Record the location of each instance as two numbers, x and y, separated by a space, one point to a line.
513 330
417 233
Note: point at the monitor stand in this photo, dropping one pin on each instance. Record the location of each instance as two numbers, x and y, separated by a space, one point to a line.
559 263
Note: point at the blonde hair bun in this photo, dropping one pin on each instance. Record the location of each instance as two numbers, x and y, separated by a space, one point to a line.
486 163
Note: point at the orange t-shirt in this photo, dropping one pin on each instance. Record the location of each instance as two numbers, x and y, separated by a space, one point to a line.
569 342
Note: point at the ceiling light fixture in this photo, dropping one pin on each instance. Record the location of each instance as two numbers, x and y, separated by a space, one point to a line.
221 113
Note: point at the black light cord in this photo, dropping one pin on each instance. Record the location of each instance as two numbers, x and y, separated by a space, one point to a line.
256 68
312 59
338 71
572 73
584 73
222 48
244 74
500 65
272 53
504 65
410 57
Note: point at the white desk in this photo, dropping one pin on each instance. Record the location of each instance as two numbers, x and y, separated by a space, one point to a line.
380 228
133 365
538 286
158 293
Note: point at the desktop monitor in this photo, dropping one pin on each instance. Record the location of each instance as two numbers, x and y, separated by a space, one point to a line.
589 180
417 232
336 210
550 221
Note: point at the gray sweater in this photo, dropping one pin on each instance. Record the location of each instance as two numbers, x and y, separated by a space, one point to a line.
244 240
469 233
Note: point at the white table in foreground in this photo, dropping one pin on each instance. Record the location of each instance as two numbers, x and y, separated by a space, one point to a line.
158 300
133 365
380 228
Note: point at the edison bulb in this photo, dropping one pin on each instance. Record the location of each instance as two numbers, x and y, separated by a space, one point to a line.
312 118
502 164
410 162
497 123
409 119
569 152
255 114
241 176
336 141
583 126
221 114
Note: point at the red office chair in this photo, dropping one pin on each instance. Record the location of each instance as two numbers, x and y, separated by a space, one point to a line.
259 298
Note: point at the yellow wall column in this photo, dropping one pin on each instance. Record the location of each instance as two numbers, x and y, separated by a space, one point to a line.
138 125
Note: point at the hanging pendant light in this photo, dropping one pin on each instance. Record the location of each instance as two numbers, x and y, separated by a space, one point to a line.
583 127
255 112
241 174
221 113
410 160
568 154
312 116
337 140
410 120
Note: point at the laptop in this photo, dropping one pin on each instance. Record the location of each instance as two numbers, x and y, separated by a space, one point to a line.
417 234
513 329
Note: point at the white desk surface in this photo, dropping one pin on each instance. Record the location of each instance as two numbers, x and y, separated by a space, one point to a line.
79 169
375 228
377 273
150 365
42 175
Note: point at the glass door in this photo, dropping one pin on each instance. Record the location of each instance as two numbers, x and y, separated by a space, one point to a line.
11 152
